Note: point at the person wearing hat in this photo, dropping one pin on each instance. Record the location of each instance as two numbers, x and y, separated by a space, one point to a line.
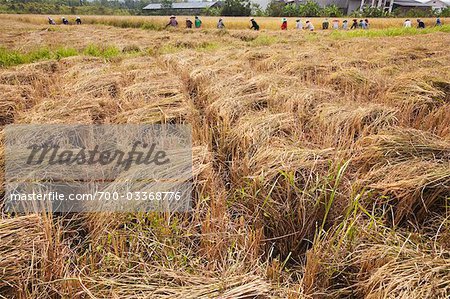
407 23
255 25
298 24
284 24
172 22
65 21
198 22
78 20
345 25
188 23
220 24
51 21
335 24
420 24
325 24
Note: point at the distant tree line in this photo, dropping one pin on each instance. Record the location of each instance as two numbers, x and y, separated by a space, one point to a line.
276 8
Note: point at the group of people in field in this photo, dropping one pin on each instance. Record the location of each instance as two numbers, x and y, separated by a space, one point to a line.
335 24
420 23
64 21
189 24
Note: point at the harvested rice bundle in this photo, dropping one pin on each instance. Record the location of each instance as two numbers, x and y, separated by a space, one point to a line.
311 70
82 110
160 110
358 84
47 67
19 77
159 282
346 123
403 272
299 98
22 241
413 187
401 145
416 99
280 189
106 85
255 130
180 62
240 96
438 122
245 36
361 257
203 178
150 91
270 159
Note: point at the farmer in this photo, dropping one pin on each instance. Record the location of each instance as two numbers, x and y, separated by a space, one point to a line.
284 24
361 24
172 22
420 24
51 21
198 22
220 24
335 24
345 25
65 21
255 25
188 23
78 20
355 24
325 24
309 26
298 24
366 22
407 23
438 21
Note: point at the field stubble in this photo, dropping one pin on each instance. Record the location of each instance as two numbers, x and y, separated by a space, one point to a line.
321 166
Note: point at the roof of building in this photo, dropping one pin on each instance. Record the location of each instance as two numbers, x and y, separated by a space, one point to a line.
418 3
182 5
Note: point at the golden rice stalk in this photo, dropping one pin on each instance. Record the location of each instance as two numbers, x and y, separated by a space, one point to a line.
255 130
415 186
160 110
21 243
405 272
401 145
344 123
102 86
153 282
81 110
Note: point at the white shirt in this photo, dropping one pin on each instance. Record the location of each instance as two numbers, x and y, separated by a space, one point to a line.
407 24
299 25
310 26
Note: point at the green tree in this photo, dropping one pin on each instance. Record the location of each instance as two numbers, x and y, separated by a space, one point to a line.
166 4
309 9
275 8
236 8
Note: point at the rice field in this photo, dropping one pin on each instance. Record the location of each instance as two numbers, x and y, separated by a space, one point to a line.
208 22
321 160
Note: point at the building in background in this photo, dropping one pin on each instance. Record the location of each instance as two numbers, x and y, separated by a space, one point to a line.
349 6
181 8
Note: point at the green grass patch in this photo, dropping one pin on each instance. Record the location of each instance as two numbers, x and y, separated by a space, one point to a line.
65 52
387 32
107 52
9 57
14 57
